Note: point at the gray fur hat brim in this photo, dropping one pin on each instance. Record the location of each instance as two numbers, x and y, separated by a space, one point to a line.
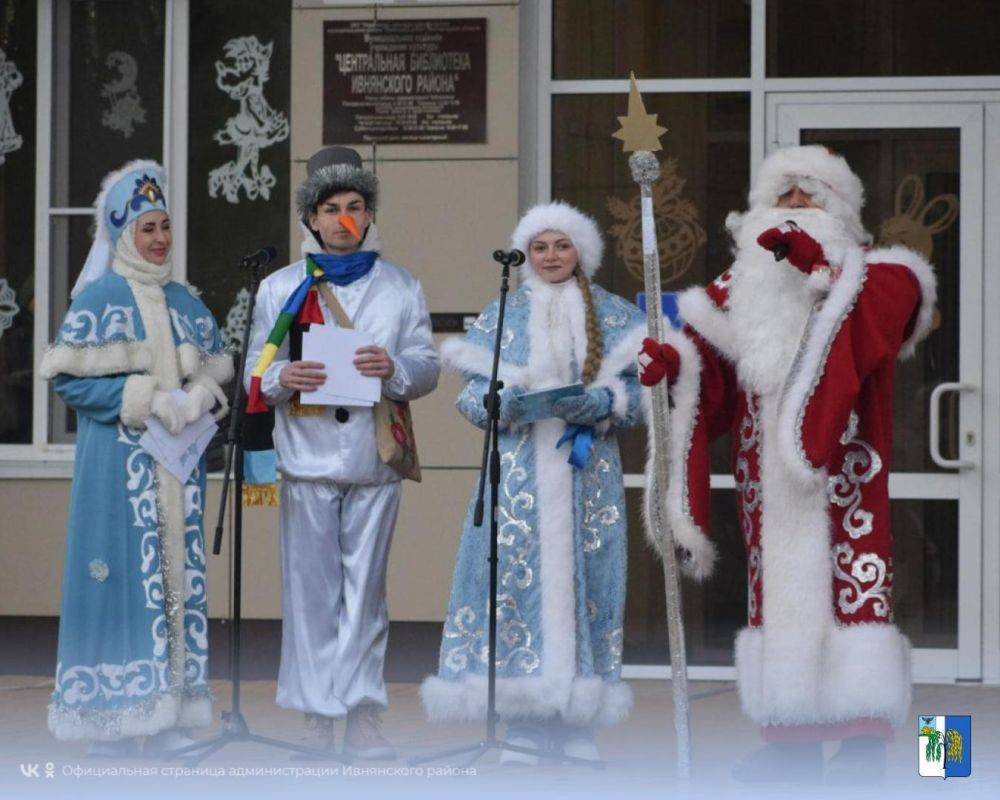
333 178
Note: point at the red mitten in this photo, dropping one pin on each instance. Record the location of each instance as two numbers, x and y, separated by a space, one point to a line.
789 240
657 361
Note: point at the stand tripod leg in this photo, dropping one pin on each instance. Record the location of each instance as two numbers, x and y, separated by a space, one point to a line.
200 754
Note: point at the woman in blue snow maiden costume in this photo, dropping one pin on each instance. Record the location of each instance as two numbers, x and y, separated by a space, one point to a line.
562 521
133 633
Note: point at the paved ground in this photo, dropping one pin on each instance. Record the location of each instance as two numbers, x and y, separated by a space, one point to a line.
639 754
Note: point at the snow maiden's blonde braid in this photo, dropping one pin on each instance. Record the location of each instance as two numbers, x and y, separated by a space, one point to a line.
595 342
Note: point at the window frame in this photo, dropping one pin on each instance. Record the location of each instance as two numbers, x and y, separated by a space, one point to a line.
44 458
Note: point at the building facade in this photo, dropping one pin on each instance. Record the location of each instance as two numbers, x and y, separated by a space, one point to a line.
229 94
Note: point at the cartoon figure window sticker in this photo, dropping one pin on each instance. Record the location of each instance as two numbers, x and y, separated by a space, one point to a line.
8 305
10 79
253 128
125 109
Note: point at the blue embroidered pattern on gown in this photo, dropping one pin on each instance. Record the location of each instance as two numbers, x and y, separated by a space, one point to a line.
113 677
582 685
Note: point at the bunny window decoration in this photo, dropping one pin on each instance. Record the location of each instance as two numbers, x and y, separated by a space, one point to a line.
915 223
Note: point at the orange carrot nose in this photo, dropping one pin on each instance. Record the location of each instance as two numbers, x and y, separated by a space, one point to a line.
348 223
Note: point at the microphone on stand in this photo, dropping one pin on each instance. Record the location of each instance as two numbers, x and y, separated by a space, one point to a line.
509 258
258 259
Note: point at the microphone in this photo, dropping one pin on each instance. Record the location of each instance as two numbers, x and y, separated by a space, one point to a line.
258 259
509 258
781 249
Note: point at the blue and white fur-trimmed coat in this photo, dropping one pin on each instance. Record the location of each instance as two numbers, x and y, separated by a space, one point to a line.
562 532
133 634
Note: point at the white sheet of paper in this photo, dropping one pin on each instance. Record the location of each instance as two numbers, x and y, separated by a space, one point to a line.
336 349
178 454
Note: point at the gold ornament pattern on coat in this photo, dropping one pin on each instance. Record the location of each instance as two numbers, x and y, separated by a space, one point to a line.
677 221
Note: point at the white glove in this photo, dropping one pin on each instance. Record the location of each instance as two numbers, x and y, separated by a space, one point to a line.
168 411
199 401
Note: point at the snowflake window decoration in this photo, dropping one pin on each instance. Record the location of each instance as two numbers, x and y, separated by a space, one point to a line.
8 305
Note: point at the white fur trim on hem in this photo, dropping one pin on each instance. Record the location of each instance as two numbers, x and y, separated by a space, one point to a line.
592 701
92 362
810 361
196 712
167 712
865 673
683 417
924 273
137 399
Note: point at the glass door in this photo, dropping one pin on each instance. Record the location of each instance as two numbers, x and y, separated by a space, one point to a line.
922 167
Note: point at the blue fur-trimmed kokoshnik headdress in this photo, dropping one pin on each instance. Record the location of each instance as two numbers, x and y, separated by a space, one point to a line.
126 194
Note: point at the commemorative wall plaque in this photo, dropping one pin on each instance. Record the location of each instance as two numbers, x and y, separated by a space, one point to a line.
404 81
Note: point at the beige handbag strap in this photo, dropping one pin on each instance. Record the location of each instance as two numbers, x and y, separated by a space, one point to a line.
334 305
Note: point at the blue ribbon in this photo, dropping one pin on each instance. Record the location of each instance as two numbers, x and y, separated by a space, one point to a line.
344 269
583 443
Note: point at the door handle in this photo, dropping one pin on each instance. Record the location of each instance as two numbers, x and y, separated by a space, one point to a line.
935 425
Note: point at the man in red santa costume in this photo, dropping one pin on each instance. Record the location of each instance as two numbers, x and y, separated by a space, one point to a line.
795 358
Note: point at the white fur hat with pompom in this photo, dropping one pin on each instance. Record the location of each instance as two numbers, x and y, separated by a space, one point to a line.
562 217
820 172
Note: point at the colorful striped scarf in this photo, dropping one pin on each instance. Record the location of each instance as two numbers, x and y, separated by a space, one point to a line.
303 304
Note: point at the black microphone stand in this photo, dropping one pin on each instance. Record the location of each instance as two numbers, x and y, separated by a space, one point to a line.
234 725
490 466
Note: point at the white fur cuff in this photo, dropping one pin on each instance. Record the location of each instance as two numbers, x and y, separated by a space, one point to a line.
206 382
137 399
863 673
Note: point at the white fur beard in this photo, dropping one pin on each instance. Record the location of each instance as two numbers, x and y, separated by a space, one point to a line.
770 301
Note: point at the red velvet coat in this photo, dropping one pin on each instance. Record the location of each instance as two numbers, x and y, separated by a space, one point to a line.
811 465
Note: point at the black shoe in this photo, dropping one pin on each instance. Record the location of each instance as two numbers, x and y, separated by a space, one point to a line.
860 760
782 762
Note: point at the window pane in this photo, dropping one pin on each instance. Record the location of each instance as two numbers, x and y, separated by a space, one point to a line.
882 38
713 611
911 179
107 98
705 171
925 571
653 38
17 218
238 184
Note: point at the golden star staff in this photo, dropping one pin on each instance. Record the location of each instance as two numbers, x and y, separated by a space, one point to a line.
640 134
